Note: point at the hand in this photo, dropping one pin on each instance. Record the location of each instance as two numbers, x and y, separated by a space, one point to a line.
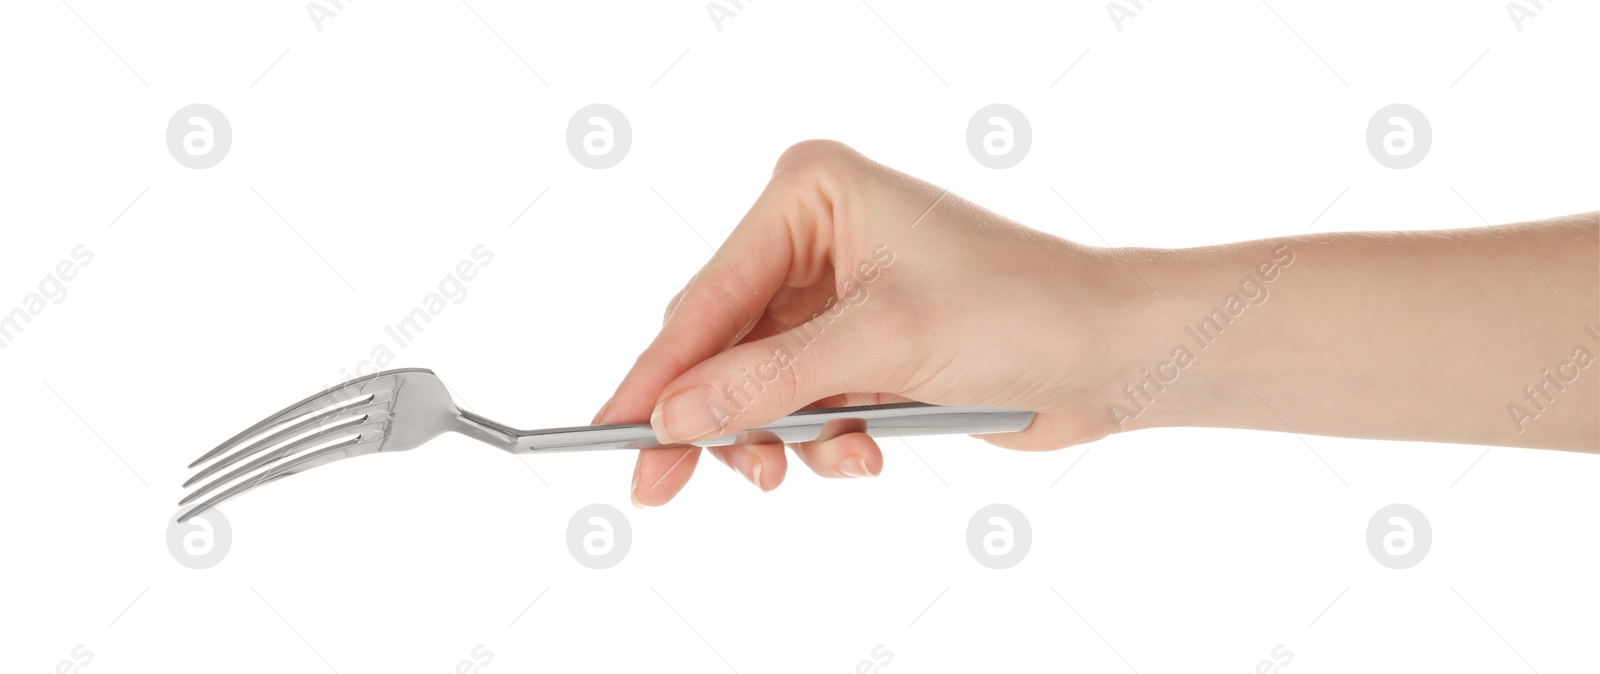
850 283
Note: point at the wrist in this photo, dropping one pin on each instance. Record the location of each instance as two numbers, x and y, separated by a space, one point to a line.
1190 332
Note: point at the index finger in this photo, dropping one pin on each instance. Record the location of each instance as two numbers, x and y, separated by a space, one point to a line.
723 300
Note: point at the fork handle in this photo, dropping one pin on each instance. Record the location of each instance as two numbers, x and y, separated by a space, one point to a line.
881 421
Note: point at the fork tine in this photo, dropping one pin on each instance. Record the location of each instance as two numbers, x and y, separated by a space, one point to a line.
364 405
307 461
349 390
355 429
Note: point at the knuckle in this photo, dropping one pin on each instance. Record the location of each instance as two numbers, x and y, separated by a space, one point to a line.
664 354
814 156
672 306
718 301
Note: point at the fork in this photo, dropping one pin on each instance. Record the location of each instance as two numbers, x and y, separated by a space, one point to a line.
397 410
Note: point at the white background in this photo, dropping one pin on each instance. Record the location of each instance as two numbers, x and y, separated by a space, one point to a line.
405 133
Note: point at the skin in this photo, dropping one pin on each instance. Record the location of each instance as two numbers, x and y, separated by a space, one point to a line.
1431 335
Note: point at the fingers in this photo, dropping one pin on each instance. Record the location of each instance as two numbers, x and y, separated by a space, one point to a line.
755 383
783 240
660 474
723 300
842 450
763 465
759 381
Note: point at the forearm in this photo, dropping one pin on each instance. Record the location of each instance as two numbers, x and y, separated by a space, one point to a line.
1486 335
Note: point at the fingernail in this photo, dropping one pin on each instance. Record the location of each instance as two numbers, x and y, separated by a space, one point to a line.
601 414
854 466
746 463
685 416
755 477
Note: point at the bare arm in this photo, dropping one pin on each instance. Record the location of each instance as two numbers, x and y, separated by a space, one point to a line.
849 282
1485 336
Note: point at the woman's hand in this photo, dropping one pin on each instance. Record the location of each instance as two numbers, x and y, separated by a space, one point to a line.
850 283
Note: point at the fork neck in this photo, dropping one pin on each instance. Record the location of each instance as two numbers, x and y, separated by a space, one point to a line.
487 430
575 438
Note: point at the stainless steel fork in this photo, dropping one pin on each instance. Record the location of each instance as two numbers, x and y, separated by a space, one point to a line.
397 410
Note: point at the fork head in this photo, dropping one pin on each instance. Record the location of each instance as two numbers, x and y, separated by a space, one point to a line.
390 411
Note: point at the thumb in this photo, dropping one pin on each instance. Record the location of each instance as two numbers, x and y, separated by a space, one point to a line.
760 381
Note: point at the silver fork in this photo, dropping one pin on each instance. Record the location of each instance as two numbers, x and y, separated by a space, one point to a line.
397 410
